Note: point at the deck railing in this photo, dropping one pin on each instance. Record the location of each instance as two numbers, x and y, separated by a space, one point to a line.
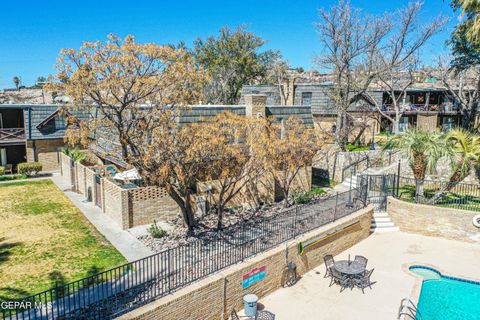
12 134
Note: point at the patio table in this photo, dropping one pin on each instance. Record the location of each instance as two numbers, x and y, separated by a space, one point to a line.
350 268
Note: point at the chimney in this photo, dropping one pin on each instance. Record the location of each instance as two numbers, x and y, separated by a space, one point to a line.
255 105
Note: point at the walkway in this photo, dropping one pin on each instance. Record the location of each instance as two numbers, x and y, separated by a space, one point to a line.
129 246
311 298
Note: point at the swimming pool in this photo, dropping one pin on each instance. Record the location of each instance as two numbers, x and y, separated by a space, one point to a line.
443 297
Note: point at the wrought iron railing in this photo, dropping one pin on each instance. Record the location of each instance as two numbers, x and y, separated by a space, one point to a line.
465 196
355 167
408 310
119 290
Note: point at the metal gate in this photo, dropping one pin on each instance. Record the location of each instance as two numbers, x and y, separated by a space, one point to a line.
375 189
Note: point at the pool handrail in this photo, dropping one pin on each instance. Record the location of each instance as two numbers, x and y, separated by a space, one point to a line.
408 310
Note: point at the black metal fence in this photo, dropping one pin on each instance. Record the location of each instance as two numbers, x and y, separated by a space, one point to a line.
375 189
362 164
355 167
114 292
464 196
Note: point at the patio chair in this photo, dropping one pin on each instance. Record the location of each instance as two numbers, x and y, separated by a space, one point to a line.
8 168
264 315
361 260
364 281
341 279
329 262
234 315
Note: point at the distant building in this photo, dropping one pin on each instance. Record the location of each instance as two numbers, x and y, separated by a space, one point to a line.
31 132
426 105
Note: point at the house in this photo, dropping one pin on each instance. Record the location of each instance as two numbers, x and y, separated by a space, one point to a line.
31 132
426 105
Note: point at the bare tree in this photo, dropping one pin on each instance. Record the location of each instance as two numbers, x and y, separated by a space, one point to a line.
400 57
464 85
278 74
360 49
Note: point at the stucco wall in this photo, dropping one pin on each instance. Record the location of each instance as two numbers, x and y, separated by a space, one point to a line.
216 296
433 221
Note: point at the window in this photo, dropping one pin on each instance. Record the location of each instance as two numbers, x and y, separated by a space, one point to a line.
306 98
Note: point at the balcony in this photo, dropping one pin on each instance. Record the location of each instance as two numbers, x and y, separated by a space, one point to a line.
12 135
412 108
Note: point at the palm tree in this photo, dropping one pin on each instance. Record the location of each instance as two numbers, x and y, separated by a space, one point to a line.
466 155
16 81
423 149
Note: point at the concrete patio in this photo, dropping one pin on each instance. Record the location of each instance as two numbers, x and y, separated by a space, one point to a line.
390 254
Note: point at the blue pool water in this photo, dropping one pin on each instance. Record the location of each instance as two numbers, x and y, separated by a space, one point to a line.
444 297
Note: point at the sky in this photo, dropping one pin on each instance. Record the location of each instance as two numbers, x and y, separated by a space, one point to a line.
33 32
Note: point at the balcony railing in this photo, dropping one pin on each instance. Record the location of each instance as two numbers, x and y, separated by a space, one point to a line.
445 107
12 134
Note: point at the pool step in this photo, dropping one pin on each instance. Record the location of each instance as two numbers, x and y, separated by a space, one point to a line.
381 223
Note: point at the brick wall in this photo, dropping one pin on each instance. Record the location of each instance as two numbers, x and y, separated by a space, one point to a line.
65 168
115 203
150 203
46 152
216 296
433 221
85 180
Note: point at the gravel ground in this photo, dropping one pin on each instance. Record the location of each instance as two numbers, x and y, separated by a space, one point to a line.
206 230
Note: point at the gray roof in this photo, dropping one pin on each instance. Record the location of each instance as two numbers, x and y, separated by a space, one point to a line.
321 102
36 113
199 112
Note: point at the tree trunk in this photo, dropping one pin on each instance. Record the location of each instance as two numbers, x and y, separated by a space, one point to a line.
285 191
185 207
456 178
220 217
341 137
188 214
419 193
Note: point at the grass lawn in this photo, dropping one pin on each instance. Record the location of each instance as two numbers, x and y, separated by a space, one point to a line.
353 148
45 239
448 200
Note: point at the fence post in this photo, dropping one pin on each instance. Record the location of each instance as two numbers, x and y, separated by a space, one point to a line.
295 223
169 260
242 252
336 204
398 176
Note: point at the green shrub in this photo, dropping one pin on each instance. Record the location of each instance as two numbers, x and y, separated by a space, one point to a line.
2 171
13 177
29 168
305 197
74 153
155 231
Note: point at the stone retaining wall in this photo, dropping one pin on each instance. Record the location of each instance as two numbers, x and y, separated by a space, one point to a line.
216 296
433 221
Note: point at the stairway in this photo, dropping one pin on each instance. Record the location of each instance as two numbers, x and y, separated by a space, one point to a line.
382 223
345 185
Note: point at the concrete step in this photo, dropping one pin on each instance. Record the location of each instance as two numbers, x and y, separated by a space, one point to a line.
381 219
384 229
383 224
380 214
